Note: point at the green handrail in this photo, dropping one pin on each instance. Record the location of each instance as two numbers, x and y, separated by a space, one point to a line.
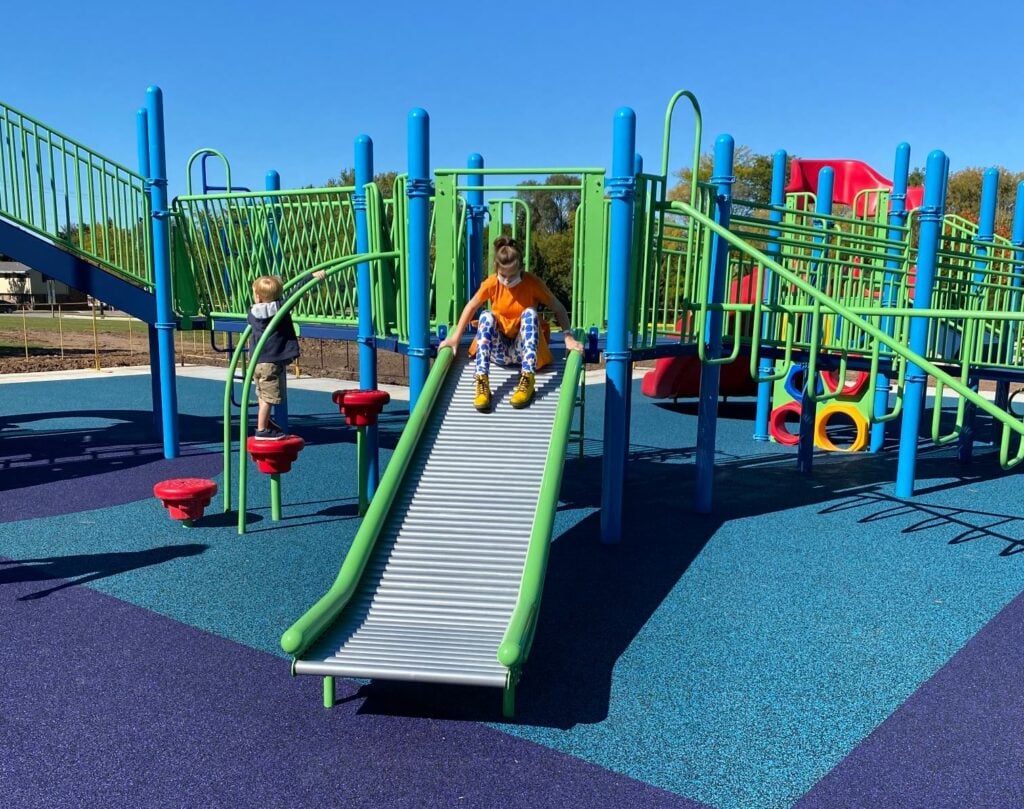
1009 423
330 268
80 200
322 614
515 645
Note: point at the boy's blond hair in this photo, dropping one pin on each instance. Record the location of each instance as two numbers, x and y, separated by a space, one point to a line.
267 288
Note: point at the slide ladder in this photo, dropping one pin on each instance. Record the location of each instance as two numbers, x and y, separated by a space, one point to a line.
451 586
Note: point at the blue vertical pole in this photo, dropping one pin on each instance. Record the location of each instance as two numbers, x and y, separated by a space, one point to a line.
928 246
272 182
897 219
142 147
366 336
710 375
621 187
475 227
1018 277
765 364
418 191
986 232
808 406
162 269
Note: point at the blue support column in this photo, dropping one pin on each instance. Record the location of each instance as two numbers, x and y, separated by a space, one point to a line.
418 190
366 333
897 219
986 232
710 375
808 405
765 365
272 182
1011 354
928 246
475 227
162 269
142 147
621 187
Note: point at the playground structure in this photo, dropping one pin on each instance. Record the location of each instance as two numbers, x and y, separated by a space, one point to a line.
433 589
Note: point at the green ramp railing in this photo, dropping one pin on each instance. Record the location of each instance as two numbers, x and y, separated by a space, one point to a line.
865 325
81 201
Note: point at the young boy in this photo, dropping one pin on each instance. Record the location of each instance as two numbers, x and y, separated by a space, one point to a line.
510 332
281 348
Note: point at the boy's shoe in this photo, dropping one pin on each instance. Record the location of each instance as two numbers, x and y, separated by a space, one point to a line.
482 402
270 434
523 394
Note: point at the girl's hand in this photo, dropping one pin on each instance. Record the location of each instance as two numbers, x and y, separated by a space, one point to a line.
319 275
450 342
573 344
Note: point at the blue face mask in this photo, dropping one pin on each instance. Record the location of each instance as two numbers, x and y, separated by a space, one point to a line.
510 282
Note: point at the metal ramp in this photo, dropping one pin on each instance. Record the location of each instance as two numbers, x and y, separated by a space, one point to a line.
440 587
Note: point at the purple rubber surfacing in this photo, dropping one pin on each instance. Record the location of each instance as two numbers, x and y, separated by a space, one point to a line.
958 741
107 704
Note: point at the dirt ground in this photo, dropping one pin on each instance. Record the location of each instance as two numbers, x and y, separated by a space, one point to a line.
320 358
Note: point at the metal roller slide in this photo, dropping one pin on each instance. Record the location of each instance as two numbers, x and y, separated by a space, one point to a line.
443 583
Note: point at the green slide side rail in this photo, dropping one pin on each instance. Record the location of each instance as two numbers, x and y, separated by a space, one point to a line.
515 645
324 612
83 202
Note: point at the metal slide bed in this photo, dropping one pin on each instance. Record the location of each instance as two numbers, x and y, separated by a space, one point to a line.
442 583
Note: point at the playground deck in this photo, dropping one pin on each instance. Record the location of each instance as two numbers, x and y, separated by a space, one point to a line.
814 642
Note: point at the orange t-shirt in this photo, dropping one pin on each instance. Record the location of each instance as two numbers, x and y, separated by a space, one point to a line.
509 303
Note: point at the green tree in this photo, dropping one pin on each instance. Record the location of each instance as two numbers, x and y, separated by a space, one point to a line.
552 224
753 173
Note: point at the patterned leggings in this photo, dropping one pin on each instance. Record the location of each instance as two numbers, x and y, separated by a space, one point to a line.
493 345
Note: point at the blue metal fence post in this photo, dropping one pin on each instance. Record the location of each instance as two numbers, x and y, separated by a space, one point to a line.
808 406
366 336
475 227
928 246
897 219
161 240
707 413
418 190
982 242
142 147
272 182
621 187
765 365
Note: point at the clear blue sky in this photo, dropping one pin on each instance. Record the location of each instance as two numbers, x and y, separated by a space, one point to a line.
289 85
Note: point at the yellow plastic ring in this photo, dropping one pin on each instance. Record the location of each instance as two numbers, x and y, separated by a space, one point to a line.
821 439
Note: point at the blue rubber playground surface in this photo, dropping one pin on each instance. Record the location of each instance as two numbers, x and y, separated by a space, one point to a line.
816 642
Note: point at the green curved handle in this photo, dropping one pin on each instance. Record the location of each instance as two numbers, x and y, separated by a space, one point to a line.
322 614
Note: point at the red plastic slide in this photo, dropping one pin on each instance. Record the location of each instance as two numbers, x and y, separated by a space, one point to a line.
675 377
851 177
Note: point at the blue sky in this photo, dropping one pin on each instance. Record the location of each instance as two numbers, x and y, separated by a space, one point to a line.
290 85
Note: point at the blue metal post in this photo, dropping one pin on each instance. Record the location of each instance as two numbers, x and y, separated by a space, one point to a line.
1018 277
475 227
710 375
162 269
142 147
621 187
808 406
418 190
366 334
897 219
272 182
765 365
928 246
986 232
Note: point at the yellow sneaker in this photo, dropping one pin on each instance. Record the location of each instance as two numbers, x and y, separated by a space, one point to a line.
523 394
482 402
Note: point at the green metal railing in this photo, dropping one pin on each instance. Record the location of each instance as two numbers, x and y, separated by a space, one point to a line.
865 326
78 199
